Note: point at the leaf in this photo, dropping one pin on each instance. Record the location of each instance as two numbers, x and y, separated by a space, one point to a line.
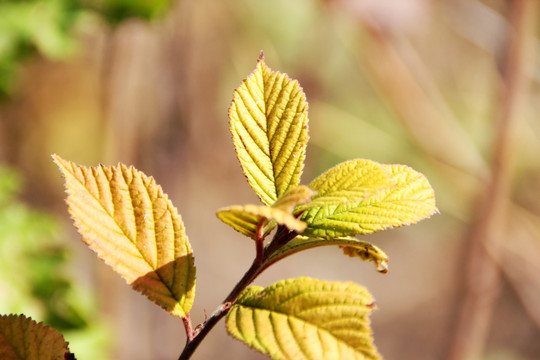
368 252
247 218
125 217
21 338
351 246
363 196
240 219
268 120
295 196
305 319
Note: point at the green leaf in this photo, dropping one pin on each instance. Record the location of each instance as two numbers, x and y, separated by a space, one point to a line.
248 218
363 196
119 10
125 217
268 120
305 319
21 338
351 246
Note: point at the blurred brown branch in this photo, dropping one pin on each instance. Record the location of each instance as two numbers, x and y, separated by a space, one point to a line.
520 263
414 97
482 276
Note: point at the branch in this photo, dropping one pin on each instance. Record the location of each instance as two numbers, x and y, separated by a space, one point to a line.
187 325
281 237
483 273
392 67
203 329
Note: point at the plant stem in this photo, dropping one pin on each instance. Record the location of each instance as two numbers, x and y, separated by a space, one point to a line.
202 330
187 326
281 237
259 241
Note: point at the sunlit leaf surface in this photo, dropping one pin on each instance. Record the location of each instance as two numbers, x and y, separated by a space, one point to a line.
268 120
247 218
305 319
293 197
125 217
363 196
21 338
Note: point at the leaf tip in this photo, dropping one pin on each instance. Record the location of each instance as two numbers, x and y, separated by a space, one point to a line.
61 163
372 305
261 57
382 266
368 252
56 159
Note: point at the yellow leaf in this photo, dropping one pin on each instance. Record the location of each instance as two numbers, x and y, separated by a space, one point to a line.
21 338
363 196
305 319
293 197
246 218
125 217
268 120
242 220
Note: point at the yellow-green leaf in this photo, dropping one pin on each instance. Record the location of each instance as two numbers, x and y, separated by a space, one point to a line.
351 246
305 319
125 217
241 220
363 196
247 218
21 338
293 197
268 120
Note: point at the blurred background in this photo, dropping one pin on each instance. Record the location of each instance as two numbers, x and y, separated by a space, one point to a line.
451 88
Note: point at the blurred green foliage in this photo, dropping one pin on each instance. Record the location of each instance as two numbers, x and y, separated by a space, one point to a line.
116 11
31 27
46 27
34 277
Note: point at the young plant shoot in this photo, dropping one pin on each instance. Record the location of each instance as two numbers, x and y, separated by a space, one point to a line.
127 219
